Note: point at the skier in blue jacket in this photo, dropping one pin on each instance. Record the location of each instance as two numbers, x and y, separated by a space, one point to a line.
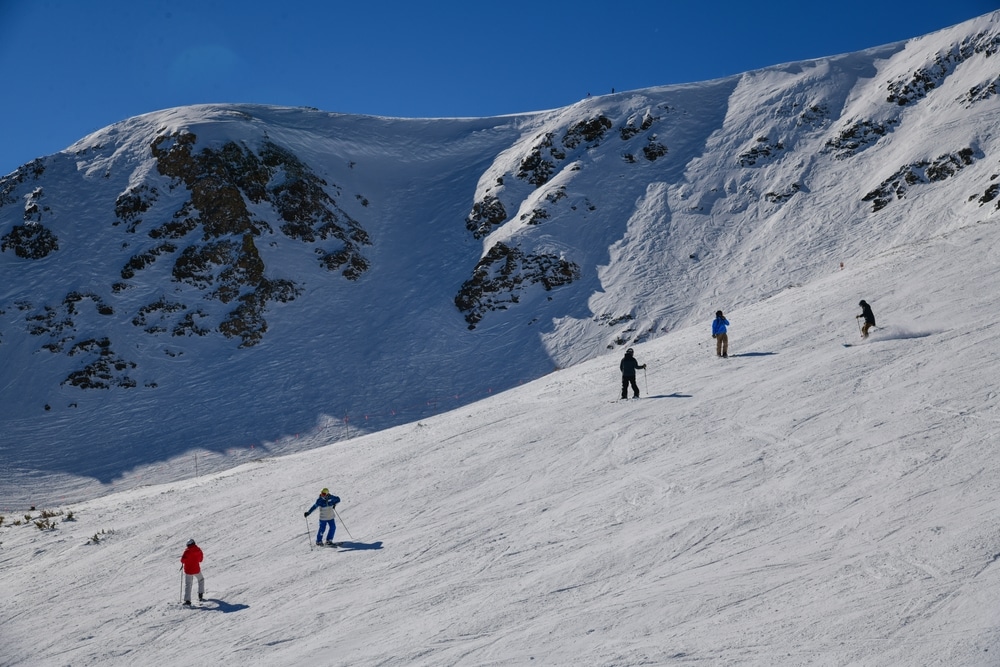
719 325
327 505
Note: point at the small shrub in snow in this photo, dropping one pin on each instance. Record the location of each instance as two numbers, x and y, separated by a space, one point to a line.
45 524
97 537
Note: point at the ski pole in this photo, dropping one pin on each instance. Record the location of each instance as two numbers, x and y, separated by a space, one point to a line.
182 585
645 382
308 536
342 523
860 330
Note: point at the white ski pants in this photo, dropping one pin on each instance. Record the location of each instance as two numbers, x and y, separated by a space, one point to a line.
188 580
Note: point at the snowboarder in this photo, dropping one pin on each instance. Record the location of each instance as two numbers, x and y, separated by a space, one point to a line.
866 312
719 325
191 561
628 366
327 505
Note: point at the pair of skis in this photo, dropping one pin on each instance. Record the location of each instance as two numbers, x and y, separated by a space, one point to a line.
328 543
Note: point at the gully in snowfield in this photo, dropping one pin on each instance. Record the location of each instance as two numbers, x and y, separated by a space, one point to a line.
327 505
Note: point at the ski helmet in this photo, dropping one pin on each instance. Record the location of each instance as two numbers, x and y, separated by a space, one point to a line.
190 543
628 351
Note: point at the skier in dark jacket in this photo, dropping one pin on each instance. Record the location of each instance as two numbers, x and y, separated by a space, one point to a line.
327 505
628 367
719 325
866 312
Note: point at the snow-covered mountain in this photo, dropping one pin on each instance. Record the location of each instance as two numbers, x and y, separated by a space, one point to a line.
801 502
193 288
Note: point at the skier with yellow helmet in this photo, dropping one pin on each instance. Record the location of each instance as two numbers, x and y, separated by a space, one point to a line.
327 505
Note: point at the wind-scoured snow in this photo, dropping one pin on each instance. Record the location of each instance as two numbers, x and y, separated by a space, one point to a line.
801 502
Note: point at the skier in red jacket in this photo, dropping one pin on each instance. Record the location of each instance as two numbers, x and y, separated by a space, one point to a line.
191 560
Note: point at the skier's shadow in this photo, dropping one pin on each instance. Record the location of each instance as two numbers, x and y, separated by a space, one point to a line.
360 546
223 606
673 395
754 354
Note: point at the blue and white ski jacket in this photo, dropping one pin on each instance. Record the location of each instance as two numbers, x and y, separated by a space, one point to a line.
325 505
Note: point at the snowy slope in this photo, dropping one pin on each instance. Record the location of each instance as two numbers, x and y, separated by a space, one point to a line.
801 502
481 253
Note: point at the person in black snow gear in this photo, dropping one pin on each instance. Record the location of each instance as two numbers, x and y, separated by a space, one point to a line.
719 325
628 367
327 505
866 312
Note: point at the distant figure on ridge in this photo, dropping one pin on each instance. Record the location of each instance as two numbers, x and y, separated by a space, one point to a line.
719 325
327 505
866 312
191 561
628 366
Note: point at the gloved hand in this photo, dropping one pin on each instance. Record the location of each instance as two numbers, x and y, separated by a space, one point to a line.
306 514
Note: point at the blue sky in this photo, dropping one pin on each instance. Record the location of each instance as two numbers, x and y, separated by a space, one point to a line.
73 67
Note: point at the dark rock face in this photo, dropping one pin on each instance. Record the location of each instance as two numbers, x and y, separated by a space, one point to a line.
225 261
940 169
762 149
918 84
860 135
30 241
503 273
237 198
486 215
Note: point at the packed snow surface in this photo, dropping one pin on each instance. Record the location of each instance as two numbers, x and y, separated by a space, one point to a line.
800 502
815 498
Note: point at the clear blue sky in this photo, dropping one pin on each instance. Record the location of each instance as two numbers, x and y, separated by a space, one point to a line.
71 67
